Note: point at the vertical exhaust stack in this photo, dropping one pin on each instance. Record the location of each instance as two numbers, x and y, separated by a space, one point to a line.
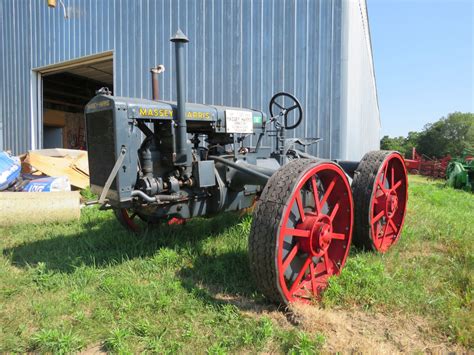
154 80
183 150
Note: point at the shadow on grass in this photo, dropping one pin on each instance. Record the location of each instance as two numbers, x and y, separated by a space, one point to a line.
106 242
215 277
224 273
225 279
99 243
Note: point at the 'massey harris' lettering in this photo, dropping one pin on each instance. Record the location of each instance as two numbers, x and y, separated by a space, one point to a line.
194 114
154 112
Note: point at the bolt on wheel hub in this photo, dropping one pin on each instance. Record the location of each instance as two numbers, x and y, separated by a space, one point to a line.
320 230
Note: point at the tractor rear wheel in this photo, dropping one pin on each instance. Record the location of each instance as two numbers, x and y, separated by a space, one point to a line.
301 230
380 190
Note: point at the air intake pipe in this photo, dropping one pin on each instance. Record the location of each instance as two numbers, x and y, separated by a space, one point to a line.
183 147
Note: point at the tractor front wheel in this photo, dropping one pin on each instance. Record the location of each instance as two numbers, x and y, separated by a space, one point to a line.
301 230
136 222
127 218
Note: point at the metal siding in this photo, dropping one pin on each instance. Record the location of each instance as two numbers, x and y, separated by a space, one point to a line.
240 53
359 106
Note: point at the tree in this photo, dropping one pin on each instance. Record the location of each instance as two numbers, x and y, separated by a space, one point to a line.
396 143
450 135
400 144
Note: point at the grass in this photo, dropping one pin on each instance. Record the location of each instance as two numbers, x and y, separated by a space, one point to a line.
430 272
72 286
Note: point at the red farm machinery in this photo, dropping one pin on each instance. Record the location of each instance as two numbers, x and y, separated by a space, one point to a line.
420 164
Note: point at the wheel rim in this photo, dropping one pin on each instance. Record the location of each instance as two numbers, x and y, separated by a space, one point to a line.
388 203
315 232
129 219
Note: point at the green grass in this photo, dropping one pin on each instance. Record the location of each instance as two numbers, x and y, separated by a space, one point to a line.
71 286
430 272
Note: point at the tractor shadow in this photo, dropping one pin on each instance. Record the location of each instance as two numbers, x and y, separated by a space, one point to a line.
102 242
216 278
225 279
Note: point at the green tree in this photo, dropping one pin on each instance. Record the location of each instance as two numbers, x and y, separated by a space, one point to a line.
411 141
449 135
396 143
400 144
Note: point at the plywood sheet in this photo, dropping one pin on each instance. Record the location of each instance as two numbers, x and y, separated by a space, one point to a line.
61 162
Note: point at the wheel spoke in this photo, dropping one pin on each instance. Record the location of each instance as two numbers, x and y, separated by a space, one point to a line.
326 263
294 287
393 176
290 257
377 217
313 279
384 231
334 211
338 236
379 183
396 185
299 203
291 108
328 192
385 171
280 106
393 226
297 232
315 195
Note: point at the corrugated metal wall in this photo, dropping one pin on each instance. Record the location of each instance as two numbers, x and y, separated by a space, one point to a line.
359 111
241 53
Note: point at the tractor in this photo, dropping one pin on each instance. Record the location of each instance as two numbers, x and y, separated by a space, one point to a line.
153 161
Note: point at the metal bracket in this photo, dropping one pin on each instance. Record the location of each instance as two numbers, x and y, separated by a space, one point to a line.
112 175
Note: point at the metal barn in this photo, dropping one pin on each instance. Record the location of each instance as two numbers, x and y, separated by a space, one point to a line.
241 52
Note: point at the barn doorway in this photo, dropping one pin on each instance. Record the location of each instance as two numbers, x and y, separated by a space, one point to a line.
65 90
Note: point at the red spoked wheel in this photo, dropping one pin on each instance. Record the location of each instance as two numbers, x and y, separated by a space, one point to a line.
127 219
301 230
380 189
136 222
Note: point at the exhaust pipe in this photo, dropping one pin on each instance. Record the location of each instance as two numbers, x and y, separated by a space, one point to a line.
154 80
183 150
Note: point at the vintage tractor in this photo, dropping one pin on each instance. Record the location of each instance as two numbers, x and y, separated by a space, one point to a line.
154 160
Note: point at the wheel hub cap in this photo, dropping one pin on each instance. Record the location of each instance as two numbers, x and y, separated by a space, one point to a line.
320 228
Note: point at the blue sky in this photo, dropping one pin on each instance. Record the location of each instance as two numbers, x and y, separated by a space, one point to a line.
424 57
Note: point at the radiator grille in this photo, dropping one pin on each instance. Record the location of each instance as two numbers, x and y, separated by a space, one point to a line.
100 146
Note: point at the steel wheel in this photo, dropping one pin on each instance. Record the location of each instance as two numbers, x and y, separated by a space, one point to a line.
127 219
136 222
380 189
301 231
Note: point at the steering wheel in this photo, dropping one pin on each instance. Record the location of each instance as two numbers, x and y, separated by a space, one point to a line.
284 111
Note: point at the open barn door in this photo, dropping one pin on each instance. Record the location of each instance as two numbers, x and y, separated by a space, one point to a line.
65 89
